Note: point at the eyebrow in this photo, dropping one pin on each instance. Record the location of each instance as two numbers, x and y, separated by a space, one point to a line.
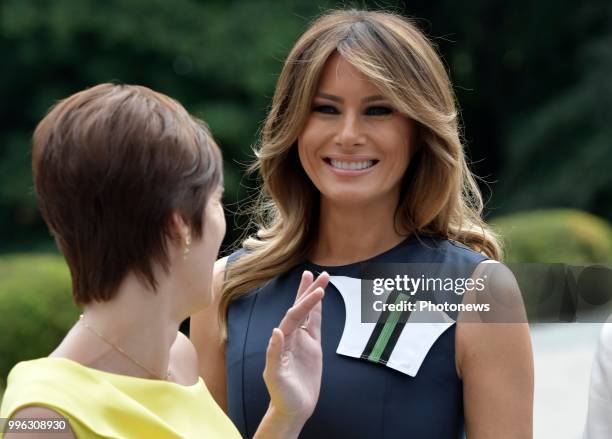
339 99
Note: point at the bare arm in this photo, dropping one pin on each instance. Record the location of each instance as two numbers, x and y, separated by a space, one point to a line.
37 412
495 362
204 333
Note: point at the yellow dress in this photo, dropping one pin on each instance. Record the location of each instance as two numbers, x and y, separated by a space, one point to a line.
103 404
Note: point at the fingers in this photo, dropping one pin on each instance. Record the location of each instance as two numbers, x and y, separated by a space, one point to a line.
305 302
305 282
320 282
296 315
274 352
314 323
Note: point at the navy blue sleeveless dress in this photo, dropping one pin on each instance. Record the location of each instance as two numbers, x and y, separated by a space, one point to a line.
359 398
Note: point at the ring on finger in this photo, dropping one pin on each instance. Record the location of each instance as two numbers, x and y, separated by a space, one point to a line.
305 324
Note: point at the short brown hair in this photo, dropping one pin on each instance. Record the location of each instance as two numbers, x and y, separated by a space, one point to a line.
110 165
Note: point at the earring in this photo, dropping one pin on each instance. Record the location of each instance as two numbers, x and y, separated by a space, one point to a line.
187 244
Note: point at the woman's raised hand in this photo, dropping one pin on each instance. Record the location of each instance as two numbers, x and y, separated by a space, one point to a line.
294 359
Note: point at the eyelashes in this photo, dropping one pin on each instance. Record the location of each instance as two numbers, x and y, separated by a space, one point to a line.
378 110
325 109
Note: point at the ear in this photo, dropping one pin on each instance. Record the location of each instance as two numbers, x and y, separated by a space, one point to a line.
178 228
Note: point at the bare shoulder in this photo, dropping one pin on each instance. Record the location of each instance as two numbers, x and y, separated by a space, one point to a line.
205 332
219 273
183 348
497 295
204 324
183 360
494 358
499 278
38 412
502 330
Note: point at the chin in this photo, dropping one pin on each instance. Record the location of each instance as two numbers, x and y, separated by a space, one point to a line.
350 197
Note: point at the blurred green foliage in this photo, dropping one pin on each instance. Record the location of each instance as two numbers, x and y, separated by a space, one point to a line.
219 59
532 81
547 250
555 236
36 307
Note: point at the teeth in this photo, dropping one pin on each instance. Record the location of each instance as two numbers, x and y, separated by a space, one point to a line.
352 165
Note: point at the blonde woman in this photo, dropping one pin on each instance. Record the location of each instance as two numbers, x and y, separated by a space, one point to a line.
361 162
130 186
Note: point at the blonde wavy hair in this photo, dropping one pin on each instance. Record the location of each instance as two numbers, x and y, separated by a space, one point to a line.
440 196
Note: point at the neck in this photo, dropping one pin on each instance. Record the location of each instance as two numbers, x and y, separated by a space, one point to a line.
137 321
352 233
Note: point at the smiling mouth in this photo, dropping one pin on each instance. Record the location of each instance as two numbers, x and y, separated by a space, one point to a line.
352 165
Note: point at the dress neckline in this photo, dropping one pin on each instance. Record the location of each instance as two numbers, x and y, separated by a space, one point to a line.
119 377
319 268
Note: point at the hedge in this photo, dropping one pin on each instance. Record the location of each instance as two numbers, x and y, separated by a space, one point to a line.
555 236
548 251
36 307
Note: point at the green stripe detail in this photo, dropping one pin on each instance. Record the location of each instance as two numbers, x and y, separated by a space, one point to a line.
386 331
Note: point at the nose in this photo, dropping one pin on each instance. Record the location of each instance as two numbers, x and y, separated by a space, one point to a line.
350 131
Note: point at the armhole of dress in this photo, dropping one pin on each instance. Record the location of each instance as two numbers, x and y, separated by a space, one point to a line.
233 257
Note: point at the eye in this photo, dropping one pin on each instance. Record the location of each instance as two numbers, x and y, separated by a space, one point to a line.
378 111
325 109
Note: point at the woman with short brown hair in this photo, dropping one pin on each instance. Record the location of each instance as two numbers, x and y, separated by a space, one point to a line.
130 187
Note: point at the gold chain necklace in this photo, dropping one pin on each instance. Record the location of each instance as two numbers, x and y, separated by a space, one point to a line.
125 354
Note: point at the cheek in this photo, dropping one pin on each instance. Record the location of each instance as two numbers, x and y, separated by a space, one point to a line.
403 140
214 226
218 221
309 140
394 146
305 153
403 153
223 227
